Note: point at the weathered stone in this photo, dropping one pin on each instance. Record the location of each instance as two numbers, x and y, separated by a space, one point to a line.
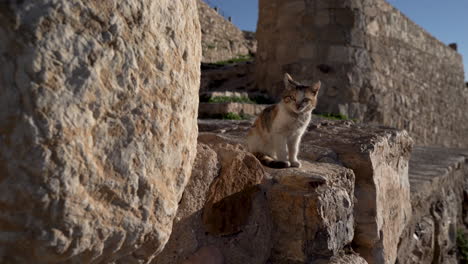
229 199
98 127
190 237
183 240
306 215
312 212
380 65
438 180
379 158
222 40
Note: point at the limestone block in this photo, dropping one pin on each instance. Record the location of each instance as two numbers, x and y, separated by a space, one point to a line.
379 158
229 199
224 176
98 107
312 212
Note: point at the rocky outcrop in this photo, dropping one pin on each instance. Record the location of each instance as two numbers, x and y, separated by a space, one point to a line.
375 64
98 127
222 40
438 180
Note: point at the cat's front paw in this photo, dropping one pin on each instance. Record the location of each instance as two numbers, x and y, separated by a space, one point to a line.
296 164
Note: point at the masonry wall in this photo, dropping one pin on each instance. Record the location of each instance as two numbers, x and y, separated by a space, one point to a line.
417 81
376 65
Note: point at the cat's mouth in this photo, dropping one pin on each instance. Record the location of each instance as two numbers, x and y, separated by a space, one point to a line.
301 109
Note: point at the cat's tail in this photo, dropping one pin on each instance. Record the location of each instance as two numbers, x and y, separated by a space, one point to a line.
270 162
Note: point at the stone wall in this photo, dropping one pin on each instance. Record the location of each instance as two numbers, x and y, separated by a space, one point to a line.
438 178
222 40
98 107
376 64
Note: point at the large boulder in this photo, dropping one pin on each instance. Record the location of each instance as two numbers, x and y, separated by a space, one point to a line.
98 127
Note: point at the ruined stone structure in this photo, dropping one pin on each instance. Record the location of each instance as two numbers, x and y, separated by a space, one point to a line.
376 65
222 40
359 198
252 214
101 160
98 107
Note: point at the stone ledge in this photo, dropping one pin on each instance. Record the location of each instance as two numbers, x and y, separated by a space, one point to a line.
218 109
248 212
438 179
377 156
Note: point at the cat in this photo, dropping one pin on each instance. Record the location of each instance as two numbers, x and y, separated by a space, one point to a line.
275 136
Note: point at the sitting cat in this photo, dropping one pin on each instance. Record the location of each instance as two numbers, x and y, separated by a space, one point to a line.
275 136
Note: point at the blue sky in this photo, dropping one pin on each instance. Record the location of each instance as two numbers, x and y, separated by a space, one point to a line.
446 20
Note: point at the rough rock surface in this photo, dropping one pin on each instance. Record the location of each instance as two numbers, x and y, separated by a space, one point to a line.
307 214
222 40
438 179
98 127
378 157
229 199
376 65
312 212
263 211
183 241
198 237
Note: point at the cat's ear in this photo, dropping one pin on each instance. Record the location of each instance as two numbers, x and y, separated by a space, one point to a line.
287 80
316 87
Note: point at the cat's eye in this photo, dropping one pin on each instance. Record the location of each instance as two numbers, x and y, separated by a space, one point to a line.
290 98
306 100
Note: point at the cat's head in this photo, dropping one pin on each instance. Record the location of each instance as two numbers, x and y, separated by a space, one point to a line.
300 98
